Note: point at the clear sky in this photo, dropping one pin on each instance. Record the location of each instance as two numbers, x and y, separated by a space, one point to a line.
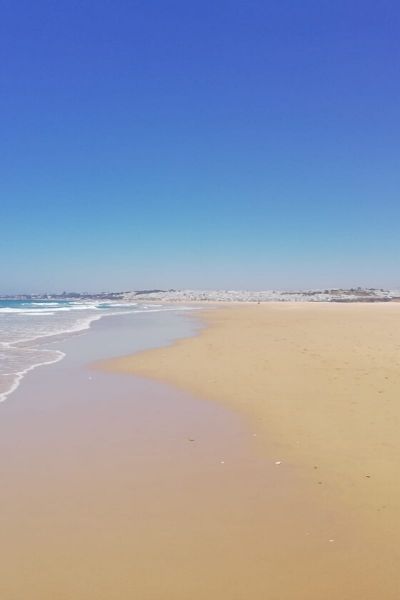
197 143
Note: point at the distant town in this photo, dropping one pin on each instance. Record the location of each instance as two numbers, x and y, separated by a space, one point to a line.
155 295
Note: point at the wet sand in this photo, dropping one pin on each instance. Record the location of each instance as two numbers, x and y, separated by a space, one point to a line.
319 384
117 487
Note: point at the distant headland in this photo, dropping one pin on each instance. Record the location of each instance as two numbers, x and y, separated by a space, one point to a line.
358 294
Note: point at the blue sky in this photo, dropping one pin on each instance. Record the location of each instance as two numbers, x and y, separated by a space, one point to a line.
250 144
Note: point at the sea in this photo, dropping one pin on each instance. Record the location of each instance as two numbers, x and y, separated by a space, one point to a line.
30 328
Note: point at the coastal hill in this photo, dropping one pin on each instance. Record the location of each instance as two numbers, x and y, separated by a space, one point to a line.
156 295
327 295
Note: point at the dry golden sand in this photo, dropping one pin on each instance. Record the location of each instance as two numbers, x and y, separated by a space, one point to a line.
320 383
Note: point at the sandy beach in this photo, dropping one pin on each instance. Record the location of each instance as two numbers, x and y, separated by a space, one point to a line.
318 384
117 487
256 459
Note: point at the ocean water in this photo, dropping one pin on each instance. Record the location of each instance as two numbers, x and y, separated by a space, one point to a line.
29 330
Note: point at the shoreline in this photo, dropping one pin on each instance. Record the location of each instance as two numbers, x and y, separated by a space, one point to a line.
117 487
45 342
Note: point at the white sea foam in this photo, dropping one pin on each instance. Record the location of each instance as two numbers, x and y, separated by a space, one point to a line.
121 305
46 311
19 375
24 339
41 303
